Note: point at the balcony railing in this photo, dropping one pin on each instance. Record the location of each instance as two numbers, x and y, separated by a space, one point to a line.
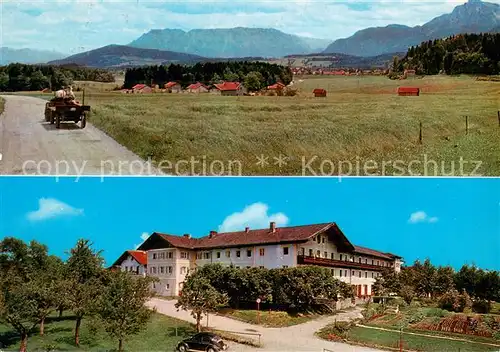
304 259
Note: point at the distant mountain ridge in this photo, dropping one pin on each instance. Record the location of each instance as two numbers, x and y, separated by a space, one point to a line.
125 56
27 56
230 42
474 16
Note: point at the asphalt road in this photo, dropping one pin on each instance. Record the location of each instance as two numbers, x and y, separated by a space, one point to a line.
31 146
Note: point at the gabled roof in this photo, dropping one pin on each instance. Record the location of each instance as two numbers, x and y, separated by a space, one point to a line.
171 84
228 86
139 86
196 86
140 257
319 91
374 253
278 85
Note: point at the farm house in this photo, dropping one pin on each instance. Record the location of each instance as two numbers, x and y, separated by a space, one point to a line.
173 87
231 88
197 88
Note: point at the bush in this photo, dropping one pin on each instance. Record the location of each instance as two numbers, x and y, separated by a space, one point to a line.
290 92
481 306
456 302
337 329
416 317
436 312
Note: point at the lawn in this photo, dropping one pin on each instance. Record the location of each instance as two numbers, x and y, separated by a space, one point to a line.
2 105
274 319
361 127
160 335
412 342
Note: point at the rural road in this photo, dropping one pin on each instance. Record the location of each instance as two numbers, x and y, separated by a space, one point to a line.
297 338
31 146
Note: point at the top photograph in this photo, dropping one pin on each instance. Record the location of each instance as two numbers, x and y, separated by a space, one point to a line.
250 88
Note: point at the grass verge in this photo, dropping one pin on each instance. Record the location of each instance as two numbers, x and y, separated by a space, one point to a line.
273 319
162 333
2 105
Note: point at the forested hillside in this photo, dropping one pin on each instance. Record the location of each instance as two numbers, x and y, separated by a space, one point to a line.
208 73
464 53
22 77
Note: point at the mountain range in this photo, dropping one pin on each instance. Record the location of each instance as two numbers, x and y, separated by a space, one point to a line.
27 56
474 16
230 42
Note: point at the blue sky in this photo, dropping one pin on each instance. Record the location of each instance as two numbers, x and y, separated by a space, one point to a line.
451 221
71 26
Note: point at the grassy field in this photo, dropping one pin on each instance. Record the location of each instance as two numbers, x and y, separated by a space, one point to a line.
273 319
361 127
160 335
413 342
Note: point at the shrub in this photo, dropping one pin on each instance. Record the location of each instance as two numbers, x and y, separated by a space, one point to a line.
436 312
339 328
496 335
416 317
481 306
290 92
456 302
415 304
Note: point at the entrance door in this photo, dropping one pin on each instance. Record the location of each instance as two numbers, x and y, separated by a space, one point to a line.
359 290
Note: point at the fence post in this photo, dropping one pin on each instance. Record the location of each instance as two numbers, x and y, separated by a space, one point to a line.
498 113
420 134
466 124
400 339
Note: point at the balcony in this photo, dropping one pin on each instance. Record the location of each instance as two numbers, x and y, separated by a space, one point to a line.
309 260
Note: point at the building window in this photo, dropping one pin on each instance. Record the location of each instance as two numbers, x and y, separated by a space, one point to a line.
170 255
249 253
285 266
198 255
262 251
206 255
359 275
228 253
340 256
238 253
332 271
366 275
322 240
345 273
218 254
319 239
302 250
359 260
378 263
318 253
170 270
326 254
162 255
285 250
372 261
168 286
151 270
154 270
366 261
332 255
162 270
154 255
310 252
184 255
340 272
353 273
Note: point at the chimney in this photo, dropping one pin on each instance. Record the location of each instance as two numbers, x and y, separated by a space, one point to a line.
272 226
247 229
187 235
212 234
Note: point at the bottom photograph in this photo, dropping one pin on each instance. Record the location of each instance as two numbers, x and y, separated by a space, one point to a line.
249 264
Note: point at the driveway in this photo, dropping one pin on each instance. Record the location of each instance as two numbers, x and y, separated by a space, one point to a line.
31 146
297 338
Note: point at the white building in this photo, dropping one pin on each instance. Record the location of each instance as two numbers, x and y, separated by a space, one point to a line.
132 261
170 257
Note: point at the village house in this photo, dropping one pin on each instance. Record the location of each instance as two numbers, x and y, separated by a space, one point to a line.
141 88
171 257
197 88
133 261
230 88
173 87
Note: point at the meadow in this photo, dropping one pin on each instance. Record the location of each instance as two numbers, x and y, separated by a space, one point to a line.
361 128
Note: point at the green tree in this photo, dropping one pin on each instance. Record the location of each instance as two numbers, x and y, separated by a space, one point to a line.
407 293
4 81
199 297
254 81
39 81
84 268
122 307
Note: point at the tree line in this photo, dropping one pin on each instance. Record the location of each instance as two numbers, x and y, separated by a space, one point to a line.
22 77
34 284
256 74
297 288
469 287
462 53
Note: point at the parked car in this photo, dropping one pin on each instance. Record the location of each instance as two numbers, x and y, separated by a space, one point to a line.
203 341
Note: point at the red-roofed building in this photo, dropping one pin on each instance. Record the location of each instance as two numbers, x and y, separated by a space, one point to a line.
230 88
277 86
170 257
133 261
197 88
408 91
141 88
173 87
319 92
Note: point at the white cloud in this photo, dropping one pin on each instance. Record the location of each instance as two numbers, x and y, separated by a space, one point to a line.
144 237
421 216
51 208
254 216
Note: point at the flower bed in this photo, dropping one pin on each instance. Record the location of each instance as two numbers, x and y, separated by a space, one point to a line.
459 323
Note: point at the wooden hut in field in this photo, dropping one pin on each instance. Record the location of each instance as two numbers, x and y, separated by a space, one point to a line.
319 92
408 91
